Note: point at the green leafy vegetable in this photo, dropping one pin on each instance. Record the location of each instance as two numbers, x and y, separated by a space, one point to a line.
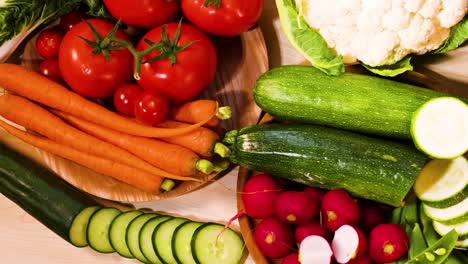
308 41
393 69
458 35
417 242
432 253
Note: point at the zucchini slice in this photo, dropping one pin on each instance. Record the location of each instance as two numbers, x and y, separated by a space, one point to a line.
146 238
461 229
462 243
133 235
118 231
181 242
80 225
439 128
452 215
98 229
162 239
443 183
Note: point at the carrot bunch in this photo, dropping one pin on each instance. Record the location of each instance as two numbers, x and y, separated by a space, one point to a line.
63 123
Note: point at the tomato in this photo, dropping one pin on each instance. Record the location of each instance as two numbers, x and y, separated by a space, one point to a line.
143 13
192 71
125 97
231 18
151 108
50 69
68 21
88 73
48 42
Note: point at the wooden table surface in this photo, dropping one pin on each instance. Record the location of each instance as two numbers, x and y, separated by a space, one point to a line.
24 240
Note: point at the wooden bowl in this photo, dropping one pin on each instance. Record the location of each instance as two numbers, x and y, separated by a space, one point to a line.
241 60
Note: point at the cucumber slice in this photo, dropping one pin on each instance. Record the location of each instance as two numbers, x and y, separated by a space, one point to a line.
79 225
162 239
452 215
118 231
181 242
461 229
146 238
443 183
210 247
97 232
439 128
133 235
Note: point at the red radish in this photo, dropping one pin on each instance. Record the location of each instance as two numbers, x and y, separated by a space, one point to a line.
296 208
387 243
274 238
314 228
315 250
339 208
315 193
361 260
348 243
292 258
371 216
259 195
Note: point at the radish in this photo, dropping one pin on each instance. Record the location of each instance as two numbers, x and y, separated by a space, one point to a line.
315 193
348 243
274 238
259 195
387 243
371 216
339 208
315 250
361 260
296 208
292 258
314 228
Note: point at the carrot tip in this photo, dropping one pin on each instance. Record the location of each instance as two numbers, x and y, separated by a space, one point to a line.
205 166
222 150
224 112
167 185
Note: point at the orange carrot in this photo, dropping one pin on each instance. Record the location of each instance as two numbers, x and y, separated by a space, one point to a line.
25 113
169 157
130 175
32 85
199 110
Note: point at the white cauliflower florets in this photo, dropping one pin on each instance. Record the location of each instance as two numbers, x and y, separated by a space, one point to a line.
381 32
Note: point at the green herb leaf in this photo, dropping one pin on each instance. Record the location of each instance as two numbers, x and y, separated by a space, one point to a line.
393 69
458 35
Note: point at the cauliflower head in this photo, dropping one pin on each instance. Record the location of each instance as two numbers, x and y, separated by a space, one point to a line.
382 32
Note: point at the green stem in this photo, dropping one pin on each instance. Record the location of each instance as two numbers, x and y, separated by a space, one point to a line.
221 165
224 113
205 166
167 185
222 150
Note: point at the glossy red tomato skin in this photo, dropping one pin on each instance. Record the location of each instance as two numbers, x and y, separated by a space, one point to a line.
151 108
193 71
48 42
230 19
50 69
143 13
125 97
88 74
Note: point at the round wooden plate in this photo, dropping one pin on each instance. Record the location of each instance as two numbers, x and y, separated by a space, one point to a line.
241 60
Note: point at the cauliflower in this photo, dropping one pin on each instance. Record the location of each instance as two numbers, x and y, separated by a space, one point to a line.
382 32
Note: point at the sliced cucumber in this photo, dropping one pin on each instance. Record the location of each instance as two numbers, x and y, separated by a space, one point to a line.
461 229
209 245
181 242
452 215
146 238
118 231
133 235
439 128
97 232
162 239
443 183
79 225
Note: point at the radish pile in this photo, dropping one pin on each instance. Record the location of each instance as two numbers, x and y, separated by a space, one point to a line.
314 226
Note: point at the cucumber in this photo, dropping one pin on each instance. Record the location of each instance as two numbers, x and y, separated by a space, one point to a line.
162 239
40 192
118 231
355 102
146 238
181 242
97 232
211 243
461 229
371 168
443 183
80 225
439 128
133 235
455 214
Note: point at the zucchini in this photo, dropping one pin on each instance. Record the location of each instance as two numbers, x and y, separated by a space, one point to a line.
356 102
461 229
452 215
329 158
40 192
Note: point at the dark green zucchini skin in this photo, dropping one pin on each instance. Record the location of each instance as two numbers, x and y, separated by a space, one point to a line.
371 168
40 192
355 102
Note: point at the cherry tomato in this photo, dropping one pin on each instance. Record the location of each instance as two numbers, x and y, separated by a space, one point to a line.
223 17
88 73
48 42
69 20
151 108
143 13
191 70
125 97
50 69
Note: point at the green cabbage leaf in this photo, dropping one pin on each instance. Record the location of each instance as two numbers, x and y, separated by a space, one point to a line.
458 35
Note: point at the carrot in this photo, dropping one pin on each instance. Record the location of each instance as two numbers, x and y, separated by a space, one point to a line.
199 110
25 113
129 175
32 85
169 157
202 140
